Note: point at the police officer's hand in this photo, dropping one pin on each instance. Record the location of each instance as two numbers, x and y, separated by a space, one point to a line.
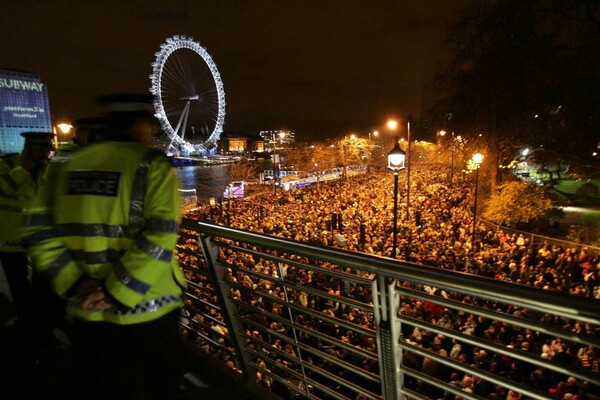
96 300
92 296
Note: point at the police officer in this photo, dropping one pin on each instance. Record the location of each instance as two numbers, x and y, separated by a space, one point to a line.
87 131
20 178
108 248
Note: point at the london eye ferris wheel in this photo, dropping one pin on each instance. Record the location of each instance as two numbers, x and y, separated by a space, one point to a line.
189 96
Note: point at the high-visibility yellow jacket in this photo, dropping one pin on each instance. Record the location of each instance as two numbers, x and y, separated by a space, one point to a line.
44 198
17 190
114 217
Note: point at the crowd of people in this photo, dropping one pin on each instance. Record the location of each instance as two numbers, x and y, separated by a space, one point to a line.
357 214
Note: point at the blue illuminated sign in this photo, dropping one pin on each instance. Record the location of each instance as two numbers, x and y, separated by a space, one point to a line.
23 107
23 101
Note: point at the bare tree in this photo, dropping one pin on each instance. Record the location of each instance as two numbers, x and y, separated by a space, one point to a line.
243 170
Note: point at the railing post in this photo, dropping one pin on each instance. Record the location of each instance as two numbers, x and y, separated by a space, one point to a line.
216 272
385 301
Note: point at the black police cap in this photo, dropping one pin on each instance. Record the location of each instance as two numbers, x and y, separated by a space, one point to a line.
126 103
42 140
91 124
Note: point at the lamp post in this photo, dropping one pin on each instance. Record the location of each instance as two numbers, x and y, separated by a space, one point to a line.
64 128
442 134
316 167
452 160
396 163
374 133
408 157
392 124
477 160
276 160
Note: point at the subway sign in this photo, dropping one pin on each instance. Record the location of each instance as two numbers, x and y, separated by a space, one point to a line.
23 101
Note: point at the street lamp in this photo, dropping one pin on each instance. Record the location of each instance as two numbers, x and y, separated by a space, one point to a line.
64 128
392 124
442 134
477 160
276 160
452 160
374 133
396 163
408 158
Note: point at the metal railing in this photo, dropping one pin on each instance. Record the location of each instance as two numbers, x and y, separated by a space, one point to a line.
304 321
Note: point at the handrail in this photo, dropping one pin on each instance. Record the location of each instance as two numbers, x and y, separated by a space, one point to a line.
552 302
328 361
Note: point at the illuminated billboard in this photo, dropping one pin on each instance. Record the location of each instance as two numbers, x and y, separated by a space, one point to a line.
24 106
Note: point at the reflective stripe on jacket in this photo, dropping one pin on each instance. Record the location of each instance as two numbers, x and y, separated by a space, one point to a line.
114 217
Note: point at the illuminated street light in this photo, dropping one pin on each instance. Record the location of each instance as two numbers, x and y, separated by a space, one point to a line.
392 125
396 159
276 160
477 160
64 129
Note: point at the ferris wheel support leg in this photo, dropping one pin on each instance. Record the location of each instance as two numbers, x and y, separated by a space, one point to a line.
186 113
183 118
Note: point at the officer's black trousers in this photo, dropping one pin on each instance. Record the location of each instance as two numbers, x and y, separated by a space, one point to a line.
16 269
37 310
127 361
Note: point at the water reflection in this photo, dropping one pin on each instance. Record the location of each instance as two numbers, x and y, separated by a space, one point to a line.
208 181
211 181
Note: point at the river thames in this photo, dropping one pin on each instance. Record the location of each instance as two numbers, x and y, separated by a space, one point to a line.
208 181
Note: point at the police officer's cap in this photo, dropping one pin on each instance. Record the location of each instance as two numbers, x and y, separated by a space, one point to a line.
91 124
43 140
127 103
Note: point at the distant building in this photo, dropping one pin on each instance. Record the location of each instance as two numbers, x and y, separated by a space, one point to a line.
237 145
24 106
240 142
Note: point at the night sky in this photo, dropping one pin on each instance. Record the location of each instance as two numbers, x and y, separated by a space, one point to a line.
321 68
